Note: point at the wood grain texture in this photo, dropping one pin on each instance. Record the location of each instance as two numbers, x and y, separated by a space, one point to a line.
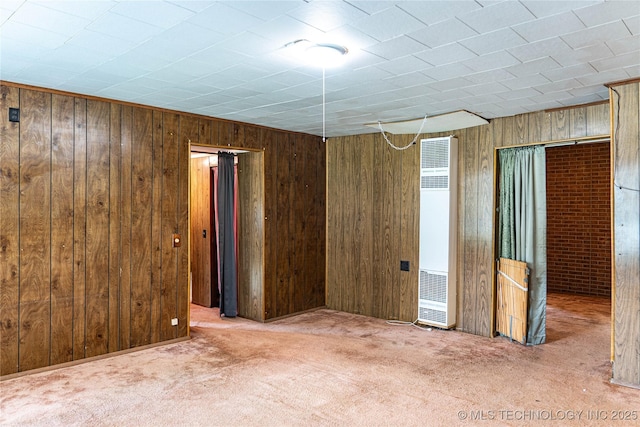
97 233
35 229
141 214
62 131
115 230
283 224
9 232
251 235
626 200
476 287
170 176
156 227
188 132
271 158
126 195
201 233
410 231
79 227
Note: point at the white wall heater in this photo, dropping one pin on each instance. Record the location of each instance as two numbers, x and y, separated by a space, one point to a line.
438 232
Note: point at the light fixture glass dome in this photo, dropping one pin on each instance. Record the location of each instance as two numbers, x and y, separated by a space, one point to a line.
326 55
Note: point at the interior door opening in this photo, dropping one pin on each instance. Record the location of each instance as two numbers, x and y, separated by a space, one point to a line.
578 180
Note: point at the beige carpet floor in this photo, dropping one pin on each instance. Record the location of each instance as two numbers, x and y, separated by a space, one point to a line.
328 368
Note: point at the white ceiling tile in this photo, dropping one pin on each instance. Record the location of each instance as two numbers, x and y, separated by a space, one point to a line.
486 88
525 81
432 12
451 84
446 54
388 24
633 24
541 28
48 19
265 10
599 34
406 64
620 61
518 94
489 76
224 19
82 8
122 27
396 47
603 77
558 86
109 46
625 45
580 70
285 29
162 14
327 15
182 40
547 8
554 46
533 67
608 11
492 42
73 58
491 61
195 5
583 55
31 35
494 17
448 71
444 32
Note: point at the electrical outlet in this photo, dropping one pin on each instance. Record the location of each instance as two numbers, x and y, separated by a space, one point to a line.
174 321
404 265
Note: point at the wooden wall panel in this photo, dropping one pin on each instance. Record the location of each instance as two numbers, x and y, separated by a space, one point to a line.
201 220
93 191
35 227
251 235
141 214
410 244
97 232
9 232
61 222
79 227
475 288
115 230
168 289
626 238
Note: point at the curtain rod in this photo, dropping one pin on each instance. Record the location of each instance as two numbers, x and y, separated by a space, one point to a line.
559 142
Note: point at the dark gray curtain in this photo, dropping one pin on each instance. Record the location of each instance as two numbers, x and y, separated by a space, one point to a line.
523 226
226 236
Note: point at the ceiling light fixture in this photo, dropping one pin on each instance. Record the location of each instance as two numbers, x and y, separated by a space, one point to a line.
325 55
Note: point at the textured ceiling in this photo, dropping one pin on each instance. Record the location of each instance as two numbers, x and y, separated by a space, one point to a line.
406 59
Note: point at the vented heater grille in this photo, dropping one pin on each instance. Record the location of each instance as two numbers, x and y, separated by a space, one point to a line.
434 182
435 153
433 287
431 315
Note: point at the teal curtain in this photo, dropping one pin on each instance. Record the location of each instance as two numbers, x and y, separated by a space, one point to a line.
522 225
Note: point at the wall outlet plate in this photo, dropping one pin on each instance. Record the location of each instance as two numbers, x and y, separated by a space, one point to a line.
404 265
174 321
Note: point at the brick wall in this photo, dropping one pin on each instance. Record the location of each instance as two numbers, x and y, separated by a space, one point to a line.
579 219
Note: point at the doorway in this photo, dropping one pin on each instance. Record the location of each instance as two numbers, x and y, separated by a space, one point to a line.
578 225
249 228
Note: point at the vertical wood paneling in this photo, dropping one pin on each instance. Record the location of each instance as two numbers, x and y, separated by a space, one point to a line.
168 295
115 220
475 215
598 120
61 223
97 243
251 235
560 124
200 243
35 229
188 132
125 236
410 222
156 228
284 235
9 229
578 120
142 188
104 187
470 299
79 228
626 199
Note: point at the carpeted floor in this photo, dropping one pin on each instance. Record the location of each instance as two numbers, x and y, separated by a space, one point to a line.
328 368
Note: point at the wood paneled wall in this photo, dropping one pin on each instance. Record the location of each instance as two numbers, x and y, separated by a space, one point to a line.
373 208
91 193
625 102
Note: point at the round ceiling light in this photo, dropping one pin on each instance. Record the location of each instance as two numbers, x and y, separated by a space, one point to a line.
325 55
